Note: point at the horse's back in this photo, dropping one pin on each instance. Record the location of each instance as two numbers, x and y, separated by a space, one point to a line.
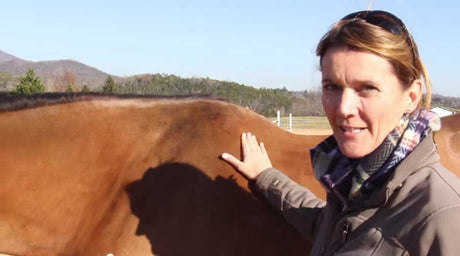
140 177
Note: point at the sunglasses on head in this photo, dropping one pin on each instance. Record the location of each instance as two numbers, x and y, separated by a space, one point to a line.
383 19
387 21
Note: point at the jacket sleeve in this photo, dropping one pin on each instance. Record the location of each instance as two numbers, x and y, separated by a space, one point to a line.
440 233
301 208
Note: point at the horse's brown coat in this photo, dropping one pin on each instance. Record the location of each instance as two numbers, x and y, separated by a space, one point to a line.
141 177
448 142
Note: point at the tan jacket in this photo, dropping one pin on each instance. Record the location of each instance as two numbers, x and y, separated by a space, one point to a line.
416 213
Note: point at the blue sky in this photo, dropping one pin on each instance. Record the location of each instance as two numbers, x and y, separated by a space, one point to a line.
258 43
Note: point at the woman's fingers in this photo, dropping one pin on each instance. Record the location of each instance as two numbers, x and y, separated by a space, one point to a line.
255 157
235 162
253 142
262 149
249 143
244 144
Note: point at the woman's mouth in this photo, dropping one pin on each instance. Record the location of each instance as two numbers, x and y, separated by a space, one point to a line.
348 129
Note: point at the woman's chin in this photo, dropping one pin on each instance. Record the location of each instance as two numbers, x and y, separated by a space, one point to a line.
354 145
353 151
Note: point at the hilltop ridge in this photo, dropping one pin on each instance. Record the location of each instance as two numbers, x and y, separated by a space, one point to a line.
263 100
50 71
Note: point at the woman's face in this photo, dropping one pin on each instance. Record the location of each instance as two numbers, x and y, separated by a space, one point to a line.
363 99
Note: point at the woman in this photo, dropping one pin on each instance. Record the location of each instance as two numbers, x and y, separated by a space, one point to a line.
387 193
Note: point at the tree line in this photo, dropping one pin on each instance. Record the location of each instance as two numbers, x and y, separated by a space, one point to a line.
263 100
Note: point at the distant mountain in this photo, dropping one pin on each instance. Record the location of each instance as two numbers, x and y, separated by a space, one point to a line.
6 57
51 72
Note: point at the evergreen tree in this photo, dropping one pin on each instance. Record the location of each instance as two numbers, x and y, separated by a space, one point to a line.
85 89
29 84
69 88
109 86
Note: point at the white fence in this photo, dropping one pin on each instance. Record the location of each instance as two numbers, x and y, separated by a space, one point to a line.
278 120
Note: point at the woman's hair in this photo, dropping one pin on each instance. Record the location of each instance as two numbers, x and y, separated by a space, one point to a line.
399 49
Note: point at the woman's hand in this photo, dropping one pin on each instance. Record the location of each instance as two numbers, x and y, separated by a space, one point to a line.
255 157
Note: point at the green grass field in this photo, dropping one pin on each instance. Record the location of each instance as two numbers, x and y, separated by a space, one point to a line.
304 122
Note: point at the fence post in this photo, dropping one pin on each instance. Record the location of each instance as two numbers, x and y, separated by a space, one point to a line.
290 122
278 118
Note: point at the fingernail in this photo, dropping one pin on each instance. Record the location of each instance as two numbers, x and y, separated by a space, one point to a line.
224 155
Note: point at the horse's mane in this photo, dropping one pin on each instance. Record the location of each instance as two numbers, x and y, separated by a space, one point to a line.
13 101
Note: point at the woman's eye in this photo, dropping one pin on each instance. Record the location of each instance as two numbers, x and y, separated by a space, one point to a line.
368 90
330 87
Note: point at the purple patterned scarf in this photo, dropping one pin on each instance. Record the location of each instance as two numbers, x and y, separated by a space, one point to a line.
350 179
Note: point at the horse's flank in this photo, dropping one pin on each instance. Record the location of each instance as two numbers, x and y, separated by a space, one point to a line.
140 176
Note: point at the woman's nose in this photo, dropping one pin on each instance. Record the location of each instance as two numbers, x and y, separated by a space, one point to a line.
348 103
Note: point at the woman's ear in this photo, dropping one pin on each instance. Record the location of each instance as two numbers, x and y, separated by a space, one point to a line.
414 95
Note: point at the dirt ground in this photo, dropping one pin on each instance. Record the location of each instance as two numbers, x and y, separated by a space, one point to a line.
312 131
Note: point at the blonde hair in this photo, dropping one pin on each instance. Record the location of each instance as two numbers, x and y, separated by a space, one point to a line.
399 49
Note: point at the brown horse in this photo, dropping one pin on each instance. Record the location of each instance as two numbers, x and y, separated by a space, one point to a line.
448 142
100 175
93 175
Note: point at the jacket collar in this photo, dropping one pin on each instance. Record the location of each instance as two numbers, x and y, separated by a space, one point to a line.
424 154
